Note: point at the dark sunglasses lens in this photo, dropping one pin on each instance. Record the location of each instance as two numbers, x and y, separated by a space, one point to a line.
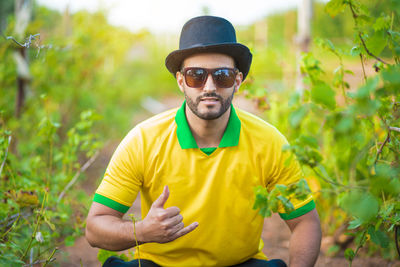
224 78
195 77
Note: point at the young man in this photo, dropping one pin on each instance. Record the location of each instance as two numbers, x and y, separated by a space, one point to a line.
196 168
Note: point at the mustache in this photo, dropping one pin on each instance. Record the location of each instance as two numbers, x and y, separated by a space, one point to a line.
198 99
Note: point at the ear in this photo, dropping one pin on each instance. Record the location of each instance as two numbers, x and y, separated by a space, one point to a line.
238 81
180 80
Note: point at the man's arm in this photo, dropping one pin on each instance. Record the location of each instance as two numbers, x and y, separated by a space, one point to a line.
106 229
305 240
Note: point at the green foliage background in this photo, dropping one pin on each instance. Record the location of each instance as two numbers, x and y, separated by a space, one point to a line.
89 78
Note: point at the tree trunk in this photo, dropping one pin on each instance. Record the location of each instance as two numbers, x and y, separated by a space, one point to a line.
23 11
304 16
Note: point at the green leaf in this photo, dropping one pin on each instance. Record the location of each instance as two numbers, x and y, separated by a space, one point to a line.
349 254
69 241
378 237
382 23
392 74
325 44
297 116
332 250
322 93
365 90
362 205
334 7
308 141
345 124
377 42
354 224
103 255
355 51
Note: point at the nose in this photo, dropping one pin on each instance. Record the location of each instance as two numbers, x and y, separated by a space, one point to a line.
209 86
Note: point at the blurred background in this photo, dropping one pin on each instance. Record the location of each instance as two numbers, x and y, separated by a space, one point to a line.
76 76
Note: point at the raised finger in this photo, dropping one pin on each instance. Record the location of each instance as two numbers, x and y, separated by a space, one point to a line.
175 229
186 230
160 201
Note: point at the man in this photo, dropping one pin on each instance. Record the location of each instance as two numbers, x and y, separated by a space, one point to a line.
196 168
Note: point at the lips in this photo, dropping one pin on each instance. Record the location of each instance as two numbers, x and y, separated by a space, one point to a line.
209 99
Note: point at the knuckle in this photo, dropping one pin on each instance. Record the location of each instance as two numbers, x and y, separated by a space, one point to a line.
161 216
167 235
164 226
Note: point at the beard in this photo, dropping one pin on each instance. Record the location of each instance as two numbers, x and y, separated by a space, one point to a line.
209 115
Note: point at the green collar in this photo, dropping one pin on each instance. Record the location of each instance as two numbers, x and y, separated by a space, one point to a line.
185 136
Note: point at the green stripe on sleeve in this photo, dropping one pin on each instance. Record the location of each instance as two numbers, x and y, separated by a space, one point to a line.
298 212
110 203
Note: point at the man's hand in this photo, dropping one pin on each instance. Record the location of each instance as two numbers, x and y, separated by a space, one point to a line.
162 225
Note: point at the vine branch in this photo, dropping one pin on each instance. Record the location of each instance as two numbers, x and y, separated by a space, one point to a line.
396 129
27 44
333 182
382 146
5 156
50 259
369 52
396 238
355 16
76 176
363 68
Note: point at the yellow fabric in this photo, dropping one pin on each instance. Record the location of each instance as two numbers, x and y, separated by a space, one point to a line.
215 190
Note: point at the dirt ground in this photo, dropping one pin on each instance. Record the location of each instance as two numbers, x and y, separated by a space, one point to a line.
275 233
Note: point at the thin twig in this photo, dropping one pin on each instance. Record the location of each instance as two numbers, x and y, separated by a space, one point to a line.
76 176
31 258
136 240
49 259
39 261
28 43
335 183
369 52
36 228
9 229
396 129
396 238
5 156
361 38
362 242
363 68
381 147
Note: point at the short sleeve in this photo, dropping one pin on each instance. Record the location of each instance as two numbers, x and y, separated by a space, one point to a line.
287 171
124 175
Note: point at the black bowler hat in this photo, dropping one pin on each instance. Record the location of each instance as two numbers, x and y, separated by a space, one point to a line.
208 34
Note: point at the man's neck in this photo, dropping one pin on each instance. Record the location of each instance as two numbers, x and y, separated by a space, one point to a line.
207 133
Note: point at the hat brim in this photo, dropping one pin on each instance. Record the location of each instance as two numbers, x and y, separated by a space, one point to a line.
240 53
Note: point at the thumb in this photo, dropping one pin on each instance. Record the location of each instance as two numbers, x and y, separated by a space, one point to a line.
160 201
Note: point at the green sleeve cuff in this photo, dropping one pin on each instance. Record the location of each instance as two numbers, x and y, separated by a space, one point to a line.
110 203
298 212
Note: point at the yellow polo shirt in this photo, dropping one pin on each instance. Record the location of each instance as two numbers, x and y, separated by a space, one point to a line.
214 186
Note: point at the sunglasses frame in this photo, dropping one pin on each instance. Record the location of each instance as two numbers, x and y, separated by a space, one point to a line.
208 72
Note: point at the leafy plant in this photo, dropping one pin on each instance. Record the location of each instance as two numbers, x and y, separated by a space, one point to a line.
348 136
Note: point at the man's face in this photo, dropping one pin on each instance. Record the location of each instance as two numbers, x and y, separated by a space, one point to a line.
209 102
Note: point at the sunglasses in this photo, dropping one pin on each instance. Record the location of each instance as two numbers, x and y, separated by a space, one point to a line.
222 77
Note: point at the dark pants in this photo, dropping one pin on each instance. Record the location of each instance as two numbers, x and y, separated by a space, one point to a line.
116 262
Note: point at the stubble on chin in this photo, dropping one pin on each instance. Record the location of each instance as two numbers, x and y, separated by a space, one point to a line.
225 104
